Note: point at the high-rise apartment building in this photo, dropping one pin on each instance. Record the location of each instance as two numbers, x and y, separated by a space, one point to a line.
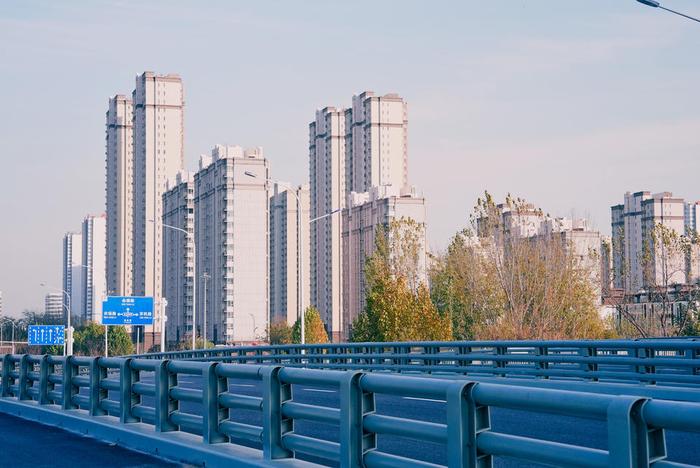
327 175
94 277
0 303
636 262
158 108
73 271
692 217
285 260
119 191
376 142
53 305
178 256
231 237
350 150
365 214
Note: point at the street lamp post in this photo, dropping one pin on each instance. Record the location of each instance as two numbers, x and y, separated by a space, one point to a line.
68 348
205 277
12 322
194 286
657 4
300 250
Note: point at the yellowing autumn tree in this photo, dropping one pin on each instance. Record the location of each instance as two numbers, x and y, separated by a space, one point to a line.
398 305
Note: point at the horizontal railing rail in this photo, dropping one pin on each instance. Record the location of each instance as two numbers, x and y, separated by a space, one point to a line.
658 361
197 397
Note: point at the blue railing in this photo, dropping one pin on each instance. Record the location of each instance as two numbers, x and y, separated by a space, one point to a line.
658 361
132 390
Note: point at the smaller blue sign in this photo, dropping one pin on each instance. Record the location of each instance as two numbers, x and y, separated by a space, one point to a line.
46 334
127 310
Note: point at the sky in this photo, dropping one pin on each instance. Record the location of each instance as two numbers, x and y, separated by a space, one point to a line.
566 103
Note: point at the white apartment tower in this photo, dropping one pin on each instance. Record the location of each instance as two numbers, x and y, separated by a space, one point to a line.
231 237
632 225
119 191
158 106
365 213
178 256
327 193
285 279
73 271
94 288
350 150
376 142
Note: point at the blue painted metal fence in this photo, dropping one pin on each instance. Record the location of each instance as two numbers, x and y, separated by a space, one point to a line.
116 386
656 361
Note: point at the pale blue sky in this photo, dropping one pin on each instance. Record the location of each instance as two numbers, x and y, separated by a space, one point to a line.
566 103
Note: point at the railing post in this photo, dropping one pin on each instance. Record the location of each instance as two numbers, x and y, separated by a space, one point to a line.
497 363
214 413
6 375
631 442
127 398
542 365
163 403
465 420
274 424
586 367
22 393
354 404
43 398
97 373
69 390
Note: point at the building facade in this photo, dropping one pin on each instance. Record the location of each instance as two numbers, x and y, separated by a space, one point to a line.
94 275
53 305
231 237
376 142
285 260
178 256
327 194
637 262
119 194
73 271
365 213
350 150
158 148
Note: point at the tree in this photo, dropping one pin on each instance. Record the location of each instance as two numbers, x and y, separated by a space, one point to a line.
186 344
279 333
397 303
503 279
667 261
314 330
90 340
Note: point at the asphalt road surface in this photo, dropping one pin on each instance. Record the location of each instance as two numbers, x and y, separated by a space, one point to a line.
682 447
30 444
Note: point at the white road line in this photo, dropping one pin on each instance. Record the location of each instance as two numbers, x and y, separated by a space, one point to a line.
241 385
423 399
319 390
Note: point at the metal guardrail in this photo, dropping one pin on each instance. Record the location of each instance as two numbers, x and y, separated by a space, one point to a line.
658 361
635 425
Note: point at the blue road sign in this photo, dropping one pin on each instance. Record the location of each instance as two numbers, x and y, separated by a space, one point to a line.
46 334
127 310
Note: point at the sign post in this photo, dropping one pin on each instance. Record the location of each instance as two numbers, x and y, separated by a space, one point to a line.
127 310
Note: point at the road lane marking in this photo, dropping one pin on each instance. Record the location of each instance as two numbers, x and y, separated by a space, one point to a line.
319 390
423 399
241 385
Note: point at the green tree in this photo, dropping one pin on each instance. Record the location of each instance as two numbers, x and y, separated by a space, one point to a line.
89 340
314 330
186 344
397 304
279 333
